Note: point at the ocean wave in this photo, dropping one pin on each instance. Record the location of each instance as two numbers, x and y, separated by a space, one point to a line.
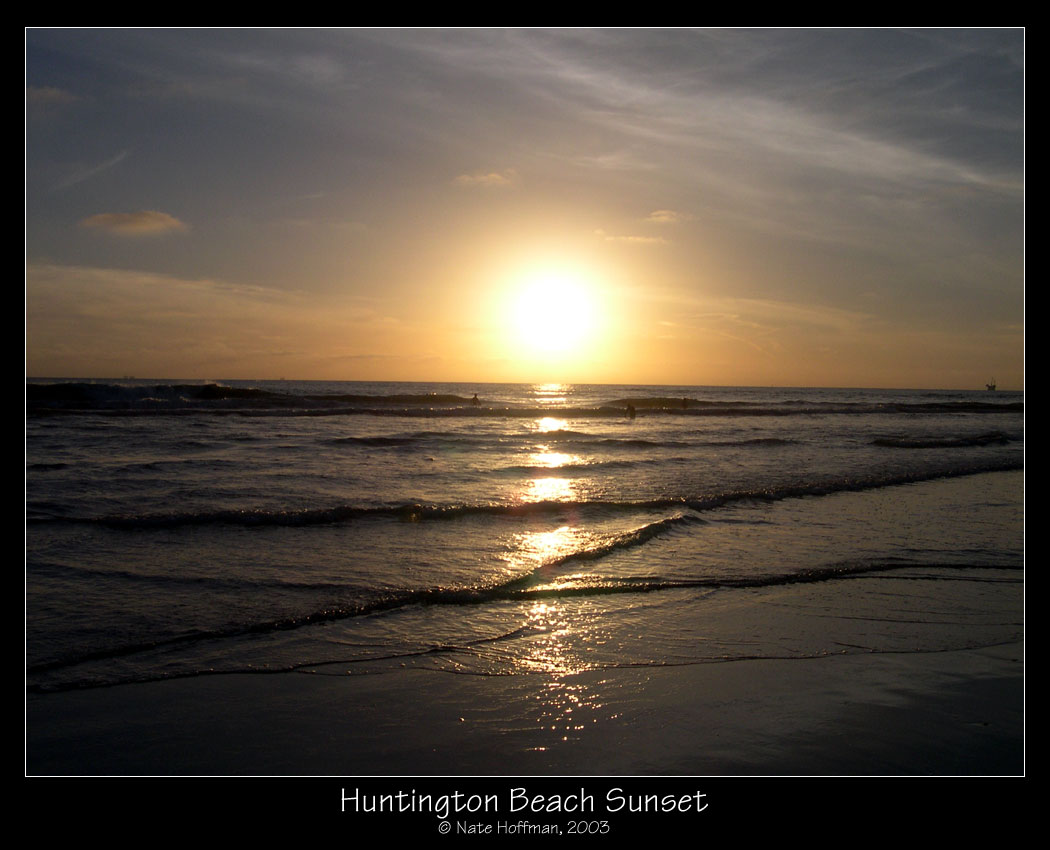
754 441
265 517
378 442
990 438
627 540
700 407
180 399
561 470
529 588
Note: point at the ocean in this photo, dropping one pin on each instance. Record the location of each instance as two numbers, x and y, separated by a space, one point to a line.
188 529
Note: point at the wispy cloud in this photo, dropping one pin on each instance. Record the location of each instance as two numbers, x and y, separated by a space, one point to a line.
666 217
47 96
632 240
110 320
488 180
143 223
85 173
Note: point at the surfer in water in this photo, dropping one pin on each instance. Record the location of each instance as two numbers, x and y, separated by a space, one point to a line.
474 401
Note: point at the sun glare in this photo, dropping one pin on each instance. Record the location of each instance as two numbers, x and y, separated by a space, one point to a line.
552 312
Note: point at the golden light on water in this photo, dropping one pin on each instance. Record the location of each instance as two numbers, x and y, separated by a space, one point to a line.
552 460
544 546
550 423
548 490
548 649
539 551
550 393
561 640
566 707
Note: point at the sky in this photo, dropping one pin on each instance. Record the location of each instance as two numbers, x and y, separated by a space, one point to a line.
708 207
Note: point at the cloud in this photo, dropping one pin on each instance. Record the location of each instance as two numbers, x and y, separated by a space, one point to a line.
142 223
86 173
632 240
48 96
666 217
101 322
488 180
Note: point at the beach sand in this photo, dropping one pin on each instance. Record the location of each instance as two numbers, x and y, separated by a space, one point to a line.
939 713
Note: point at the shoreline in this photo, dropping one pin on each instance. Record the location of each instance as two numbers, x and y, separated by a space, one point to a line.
955 712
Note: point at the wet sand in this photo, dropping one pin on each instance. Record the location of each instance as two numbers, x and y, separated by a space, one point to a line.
939 713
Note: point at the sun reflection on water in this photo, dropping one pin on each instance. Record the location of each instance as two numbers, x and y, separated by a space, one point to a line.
548 650
551 460
551 394
548 490
532 550
567 706
561 641
542 455
547 424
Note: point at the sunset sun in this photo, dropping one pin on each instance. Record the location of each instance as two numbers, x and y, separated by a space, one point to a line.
552 312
